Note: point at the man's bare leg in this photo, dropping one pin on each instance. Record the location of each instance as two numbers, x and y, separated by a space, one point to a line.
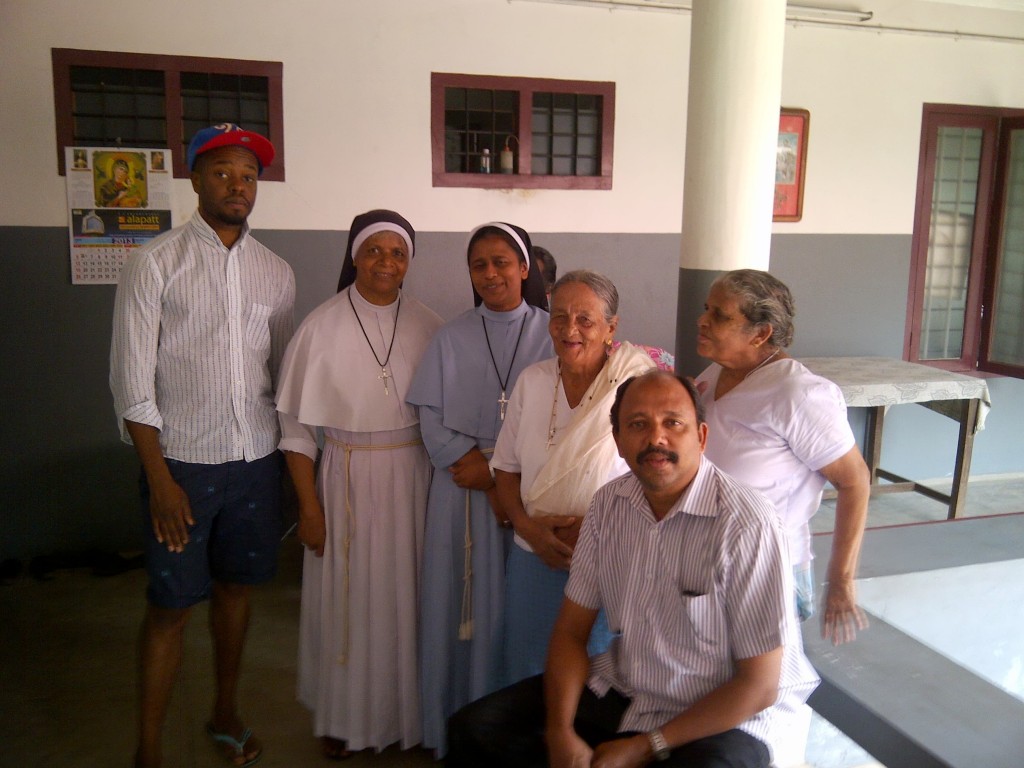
161 640
229 622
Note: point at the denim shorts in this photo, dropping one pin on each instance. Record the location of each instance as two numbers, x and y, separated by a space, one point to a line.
803 581
237 511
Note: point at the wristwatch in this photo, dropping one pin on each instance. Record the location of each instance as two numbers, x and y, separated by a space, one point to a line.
658 745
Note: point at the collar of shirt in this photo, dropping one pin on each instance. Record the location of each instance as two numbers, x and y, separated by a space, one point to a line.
203 230
504 317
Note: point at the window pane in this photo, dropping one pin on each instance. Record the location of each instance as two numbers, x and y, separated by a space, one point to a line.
587 125
122 129
1007 345
89 130
949 243
254 112
454 98
214 98
194 83
454 119
561 166
477 98
563 145
224 83
88 103
504 123
224 110
98 78
541 122
475 119
568 132
191 126
564 101
564 122
149 105
506 101
586 146
480 121
478 141
110 106
195 107
454 156
252 84
119 104
153 132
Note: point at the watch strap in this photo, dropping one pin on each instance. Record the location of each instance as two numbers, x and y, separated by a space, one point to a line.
659 747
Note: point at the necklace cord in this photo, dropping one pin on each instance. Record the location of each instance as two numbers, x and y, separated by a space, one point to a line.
365 336
504 384
762 363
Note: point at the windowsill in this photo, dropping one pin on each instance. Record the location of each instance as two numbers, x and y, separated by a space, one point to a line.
972 372
520 181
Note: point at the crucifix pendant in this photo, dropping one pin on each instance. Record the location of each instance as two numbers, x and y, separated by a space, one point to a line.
385 376
502 401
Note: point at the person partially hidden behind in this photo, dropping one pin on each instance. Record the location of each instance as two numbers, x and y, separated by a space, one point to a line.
201 321
706 667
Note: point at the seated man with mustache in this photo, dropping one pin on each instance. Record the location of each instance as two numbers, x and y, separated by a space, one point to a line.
690 565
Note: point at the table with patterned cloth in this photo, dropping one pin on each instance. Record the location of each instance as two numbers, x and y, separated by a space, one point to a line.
876 383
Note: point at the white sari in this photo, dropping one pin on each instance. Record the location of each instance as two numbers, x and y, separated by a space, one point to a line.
579 464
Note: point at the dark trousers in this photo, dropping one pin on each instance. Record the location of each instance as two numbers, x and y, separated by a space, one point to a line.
506 728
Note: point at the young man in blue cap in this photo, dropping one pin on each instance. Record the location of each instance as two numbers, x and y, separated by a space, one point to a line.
201 320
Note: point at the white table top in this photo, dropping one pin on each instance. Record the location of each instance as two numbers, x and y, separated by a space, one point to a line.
868 382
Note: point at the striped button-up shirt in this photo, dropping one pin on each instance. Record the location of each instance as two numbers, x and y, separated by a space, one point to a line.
199 332
686 595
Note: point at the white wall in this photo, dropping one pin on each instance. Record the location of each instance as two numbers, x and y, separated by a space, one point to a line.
357 101
865 92
357 105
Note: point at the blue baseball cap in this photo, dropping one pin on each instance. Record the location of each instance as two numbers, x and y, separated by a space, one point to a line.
230 135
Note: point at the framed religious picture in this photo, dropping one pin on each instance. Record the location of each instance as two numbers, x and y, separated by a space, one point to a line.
791 164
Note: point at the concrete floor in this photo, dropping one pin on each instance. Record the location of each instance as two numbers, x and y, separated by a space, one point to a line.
981 626
828 747
986 495
67 690
67 686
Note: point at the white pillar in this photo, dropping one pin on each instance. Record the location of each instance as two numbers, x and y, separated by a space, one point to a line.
732 125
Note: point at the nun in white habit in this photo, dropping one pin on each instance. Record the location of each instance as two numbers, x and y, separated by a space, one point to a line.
347 372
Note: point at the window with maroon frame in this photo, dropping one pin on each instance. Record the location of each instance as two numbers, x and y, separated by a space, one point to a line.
107 99
506 132
966 307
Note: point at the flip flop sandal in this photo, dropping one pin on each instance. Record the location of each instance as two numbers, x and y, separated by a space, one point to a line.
233 748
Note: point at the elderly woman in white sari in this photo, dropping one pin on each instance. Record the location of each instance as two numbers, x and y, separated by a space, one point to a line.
554 451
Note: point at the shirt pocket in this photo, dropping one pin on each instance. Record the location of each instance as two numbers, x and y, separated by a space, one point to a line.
257 331
701 622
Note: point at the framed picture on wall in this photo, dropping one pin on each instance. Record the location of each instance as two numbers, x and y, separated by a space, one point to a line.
791 164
